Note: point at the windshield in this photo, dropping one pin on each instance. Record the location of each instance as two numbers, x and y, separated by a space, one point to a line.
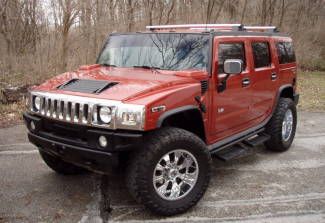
166 51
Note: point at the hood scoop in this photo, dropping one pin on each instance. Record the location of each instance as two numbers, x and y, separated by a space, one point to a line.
86 86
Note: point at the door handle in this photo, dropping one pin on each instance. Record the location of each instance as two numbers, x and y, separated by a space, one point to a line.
274 76
245 82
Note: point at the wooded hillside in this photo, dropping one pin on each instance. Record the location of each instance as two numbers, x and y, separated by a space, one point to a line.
41 38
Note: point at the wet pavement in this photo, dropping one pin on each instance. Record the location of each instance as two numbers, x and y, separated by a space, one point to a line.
262 187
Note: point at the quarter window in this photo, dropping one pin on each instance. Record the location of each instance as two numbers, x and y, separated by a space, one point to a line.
230 51
261 52
286 53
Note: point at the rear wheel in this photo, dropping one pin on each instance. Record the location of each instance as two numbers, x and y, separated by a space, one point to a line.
60 166
171 172
282 126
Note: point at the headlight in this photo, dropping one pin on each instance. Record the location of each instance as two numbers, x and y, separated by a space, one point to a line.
105 114
130 117
37 103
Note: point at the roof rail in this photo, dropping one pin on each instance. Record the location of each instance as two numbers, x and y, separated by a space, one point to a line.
232 27
261 28
197 26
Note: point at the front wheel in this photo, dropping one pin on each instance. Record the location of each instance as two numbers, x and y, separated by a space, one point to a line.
171 172
282 126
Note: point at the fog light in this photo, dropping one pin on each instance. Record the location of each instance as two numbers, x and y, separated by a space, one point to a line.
102 141
32 125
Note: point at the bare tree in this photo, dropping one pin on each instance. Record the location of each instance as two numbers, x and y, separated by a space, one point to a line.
56 35
66 12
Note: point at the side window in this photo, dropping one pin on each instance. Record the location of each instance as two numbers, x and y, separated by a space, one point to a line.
261 53
230 51
286 53
282 55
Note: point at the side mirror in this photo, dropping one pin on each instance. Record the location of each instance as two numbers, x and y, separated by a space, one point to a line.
233 66
230 66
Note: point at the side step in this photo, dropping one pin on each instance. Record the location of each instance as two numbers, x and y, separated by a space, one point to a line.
241 149
236 151
258 140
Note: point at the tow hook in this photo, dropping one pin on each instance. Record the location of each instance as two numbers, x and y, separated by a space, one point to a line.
202 106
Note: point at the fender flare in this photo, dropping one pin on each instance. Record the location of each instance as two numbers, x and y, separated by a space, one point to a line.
281 89
171 112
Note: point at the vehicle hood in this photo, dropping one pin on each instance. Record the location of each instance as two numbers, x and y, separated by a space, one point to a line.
131 82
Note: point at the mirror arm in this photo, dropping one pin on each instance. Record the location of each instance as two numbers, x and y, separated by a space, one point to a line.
223 83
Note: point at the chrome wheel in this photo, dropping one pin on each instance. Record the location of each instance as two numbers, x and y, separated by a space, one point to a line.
287 125
175 174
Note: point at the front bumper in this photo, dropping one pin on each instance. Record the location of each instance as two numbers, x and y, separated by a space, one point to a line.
79 144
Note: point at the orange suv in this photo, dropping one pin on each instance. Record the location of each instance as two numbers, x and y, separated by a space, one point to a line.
160 102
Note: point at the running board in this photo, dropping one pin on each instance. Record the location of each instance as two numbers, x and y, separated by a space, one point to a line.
236 151
258 140
241 147
234 141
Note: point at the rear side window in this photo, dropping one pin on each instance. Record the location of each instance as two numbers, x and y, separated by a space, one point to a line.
261 53
230 51
286 53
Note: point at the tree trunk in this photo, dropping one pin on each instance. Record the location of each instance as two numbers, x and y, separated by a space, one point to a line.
243 12
64 52
130 10
264 12
281 14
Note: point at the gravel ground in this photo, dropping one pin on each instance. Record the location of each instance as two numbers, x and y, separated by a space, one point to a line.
262 187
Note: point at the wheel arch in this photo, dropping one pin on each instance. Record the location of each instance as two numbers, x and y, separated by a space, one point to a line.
187 117
286 91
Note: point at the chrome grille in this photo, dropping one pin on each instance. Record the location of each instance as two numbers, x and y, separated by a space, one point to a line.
65 110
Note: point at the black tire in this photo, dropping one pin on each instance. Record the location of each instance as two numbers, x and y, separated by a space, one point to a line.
274 127
60 166
140 170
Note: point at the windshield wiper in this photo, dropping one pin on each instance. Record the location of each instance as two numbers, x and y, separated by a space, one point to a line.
108 65
156 69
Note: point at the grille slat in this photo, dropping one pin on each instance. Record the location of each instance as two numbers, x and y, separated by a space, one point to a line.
81 113
64 109
90 111
41 106
73 110
51 107
47 106
54 108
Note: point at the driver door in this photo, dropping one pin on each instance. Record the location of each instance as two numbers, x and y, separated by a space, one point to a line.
231 107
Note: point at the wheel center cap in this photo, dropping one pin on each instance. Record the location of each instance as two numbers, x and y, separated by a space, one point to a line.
172 173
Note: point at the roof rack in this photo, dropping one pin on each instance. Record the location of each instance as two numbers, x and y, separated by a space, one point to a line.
197 26
227 27
261 28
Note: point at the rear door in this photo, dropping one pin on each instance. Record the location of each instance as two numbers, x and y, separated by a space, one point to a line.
287 61
264 78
